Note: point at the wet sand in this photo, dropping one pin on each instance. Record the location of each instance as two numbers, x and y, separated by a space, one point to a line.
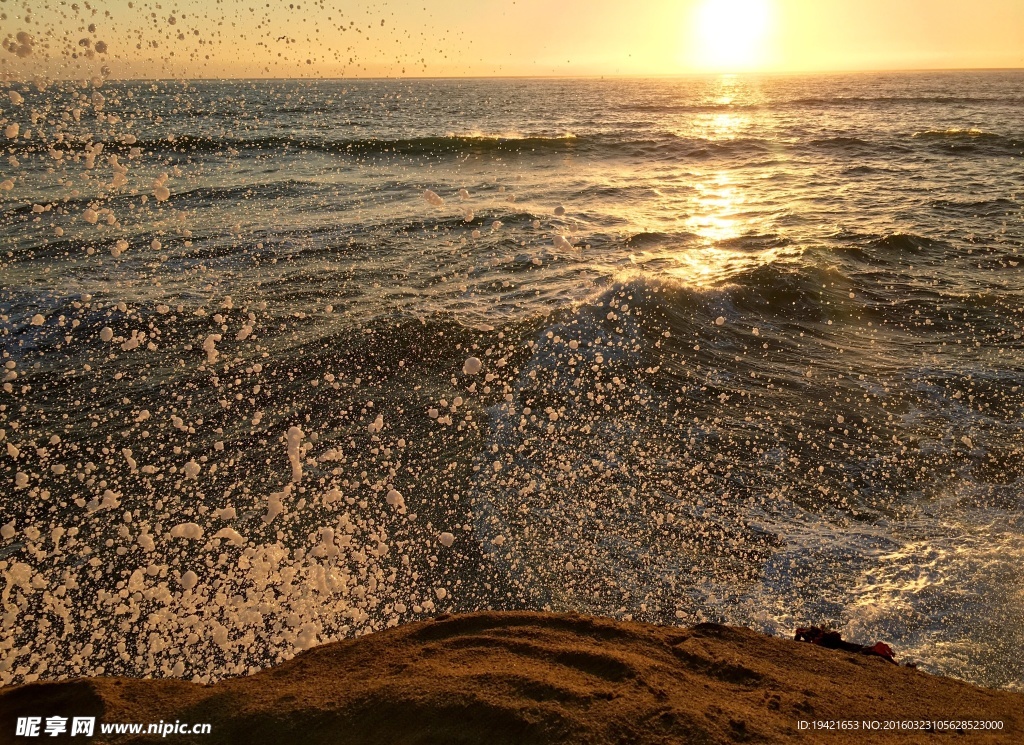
540 678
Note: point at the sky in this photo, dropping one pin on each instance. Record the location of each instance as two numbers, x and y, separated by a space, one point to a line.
326 38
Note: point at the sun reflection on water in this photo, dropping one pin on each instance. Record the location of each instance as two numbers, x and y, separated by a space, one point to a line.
716 207
720 213
713 266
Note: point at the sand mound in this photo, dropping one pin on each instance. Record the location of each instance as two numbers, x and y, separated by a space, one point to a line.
539 678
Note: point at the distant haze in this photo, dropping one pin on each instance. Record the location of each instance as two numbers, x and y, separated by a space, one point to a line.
505 37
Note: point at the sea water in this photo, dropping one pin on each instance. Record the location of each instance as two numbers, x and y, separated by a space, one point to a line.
287 362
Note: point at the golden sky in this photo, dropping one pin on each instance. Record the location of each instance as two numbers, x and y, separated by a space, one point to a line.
246 38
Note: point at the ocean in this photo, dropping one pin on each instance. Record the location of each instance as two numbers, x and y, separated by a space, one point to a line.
292 361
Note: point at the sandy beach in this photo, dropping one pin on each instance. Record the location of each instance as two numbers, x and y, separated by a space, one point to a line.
543 678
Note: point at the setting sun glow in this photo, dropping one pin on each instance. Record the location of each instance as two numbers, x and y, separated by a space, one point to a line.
730 35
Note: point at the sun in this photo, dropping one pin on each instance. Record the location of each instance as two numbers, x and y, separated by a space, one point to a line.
730 35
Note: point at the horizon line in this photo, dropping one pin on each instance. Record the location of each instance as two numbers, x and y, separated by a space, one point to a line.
589 76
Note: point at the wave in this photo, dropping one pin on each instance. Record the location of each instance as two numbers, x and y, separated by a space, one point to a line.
906 242
687 108
682 108
843 142
909 100
849 144
971 140
365 146
652 145
656 145
657 238
859 171
755 242
999 207
774 293
957 134
853 144
213 195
